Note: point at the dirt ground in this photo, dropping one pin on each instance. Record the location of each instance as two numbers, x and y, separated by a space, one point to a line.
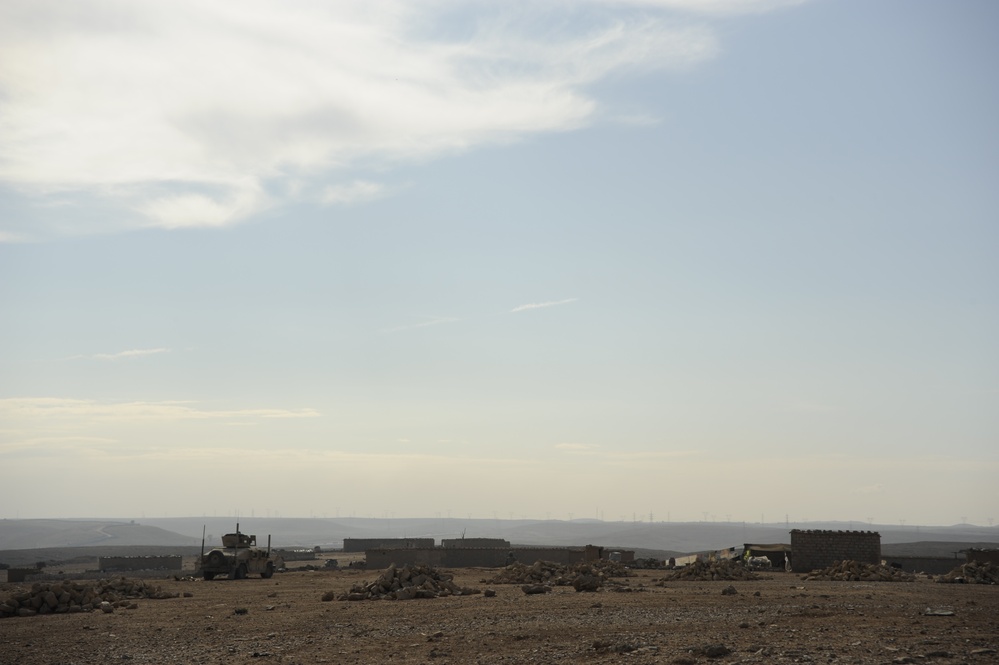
780 619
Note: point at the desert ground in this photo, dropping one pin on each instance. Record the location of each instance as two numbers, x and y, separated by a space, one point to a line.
779 618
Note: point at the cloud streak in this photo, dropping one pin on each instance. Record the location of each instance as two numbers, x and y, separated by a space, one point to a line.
132 353
55 408
542 305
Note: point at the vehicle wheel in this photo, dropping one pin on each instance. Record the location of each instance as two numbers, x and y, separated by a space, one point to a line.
209 576
216 560
269 571
240 573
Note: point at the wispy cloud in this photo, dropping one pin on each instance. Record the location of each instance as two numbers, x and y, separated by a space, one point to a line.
541 305
83 409
710 7
576 447
358 191
182 114
131 353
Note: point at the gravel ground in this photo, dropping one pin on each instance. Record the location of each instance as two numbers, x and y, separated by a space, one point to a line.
779 619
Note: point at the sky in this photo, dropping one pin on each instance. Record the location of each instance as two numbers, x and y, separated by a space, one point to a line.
548 259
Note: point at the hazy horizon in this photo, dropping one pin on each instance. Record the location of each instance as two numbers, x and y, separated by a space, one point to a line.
848 524
610 258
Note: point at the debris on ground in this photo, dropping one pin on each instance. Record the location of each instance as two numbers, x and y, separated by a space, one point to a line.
855 571
72 597
407 583
972 573
586 576
707 571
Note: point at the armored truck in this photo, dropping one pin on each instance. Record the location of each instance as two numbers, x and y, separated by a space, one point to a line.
239 557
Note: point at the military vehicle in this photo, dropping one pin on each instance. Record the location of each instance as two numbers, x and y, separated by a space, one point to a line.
238 557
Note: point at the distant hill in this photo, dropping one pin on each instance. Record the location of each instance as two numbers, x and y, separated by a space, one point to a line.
39 534
329 533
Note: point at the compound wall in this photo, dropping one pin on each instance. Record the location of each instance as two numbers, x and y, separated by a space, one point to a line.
982 556
925 564
469 543
811 550
484 557
364 544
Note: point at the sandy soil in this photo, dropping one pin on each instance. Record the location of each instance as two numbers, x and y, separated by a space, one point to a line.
283 620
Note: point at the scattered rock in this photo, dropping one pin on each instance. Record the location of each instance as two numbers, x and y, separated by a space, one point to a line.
75 597
729 591
707 571
854 571
712 650
587 583
587 576
408 583
972 573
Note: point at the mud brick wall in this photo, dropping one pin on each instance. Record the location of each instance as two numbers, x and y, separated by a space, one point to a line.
455 557
983 556
364 544
474 542
383 558
811 550
925 564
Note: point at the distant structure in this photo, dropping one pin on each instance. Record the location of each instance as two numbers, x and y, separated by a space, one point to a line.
977 555
485 557
811 550
364 544
474 542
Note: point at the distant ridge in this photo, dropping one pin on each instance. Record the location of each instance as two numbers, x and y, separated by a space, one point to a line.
329 533
40 534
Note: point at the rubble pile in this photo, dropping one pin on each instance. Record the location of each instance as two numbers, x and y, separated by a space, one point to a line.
972 573
708 571
585 576
854 571
407 583
72 597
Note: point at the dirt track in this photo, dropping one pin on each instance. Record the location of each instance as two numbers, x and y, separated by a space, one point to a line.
781 619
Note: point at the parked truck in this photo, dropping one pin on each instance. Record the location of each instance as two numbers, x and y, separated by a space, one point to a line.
239 557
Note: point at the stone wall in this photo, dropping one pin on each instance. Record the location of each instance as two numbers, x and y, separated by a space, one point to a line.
116 563
931 565
475 542
484 557
364 544
811 550
377 558
21 574
975 555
